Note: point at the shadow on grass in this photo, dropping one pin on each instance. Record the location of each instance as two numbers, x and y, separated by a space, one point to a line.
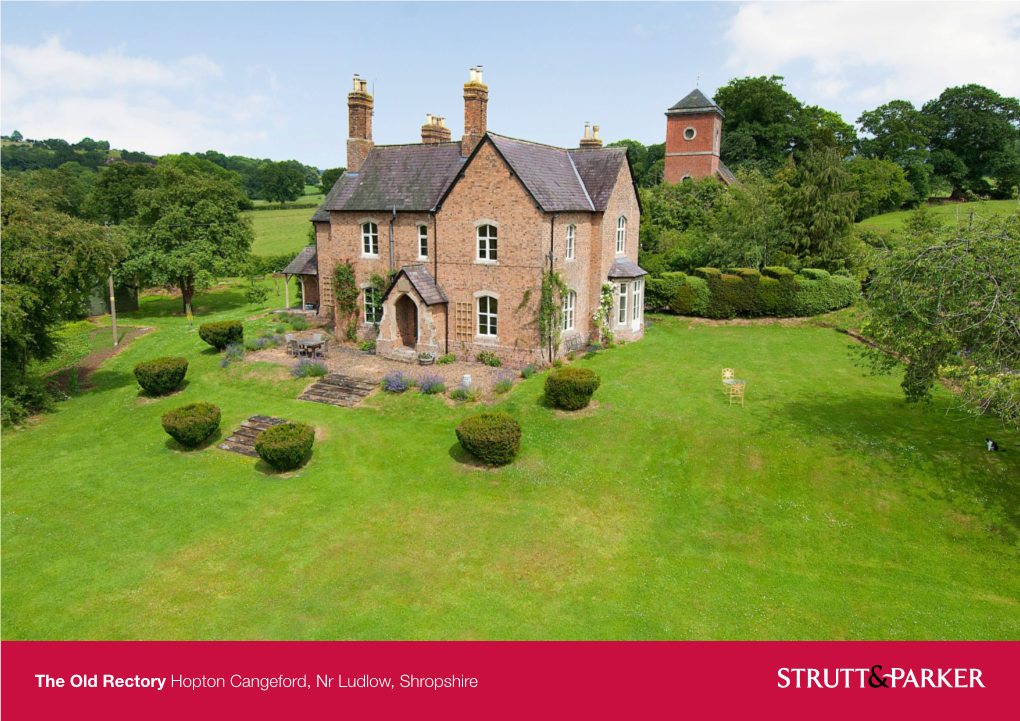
104 379
152 397
463 457
878 427
212 440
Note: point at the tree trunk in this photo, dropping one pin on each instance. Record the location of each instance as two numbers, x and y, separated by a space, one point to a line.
187 293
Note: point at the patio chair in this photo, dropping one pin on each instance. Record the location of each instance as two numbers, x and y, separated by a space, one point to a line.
727 375
737 392
291 344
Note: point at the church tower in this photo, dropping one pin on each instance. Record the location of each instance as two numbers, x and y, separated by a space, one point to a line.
693 138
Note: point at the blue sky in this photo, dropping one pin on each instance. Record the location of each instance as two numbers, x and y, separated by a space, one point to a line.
270 79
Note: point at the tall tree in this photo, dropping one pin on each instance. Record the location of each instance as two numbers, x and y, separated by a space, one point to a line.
282 181
51 262
113 197
751 222
17 137
897 131
974 133
881 185
188 227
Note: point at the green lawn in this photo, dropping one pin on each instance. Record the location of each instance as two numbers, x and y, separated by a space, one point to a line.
948 211
280 231
824 509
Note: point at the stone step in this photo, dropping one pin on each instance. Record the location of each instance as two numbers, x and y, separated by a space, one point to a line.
324 399
257 426
242 440
237 448
401 355
268 420
334 392
348 382
246 432
333 398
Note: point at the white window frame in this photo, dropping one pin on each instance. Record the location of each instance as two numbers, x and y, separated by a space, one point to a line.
621 235
621 304
372 299
569 308
423 241
637 305
491 316
571 241
369 239
490 254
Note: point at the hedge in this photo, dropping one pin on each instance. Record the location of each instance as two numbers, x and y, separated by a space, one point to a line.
494 438
161 375
220 334
780 292
571 388
191 424
285 446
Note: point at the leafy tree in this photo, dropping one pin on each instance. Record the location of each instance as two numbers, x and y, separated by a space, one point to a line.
820 204
281 182
897 131
17 137
113 197
67 186
974 133
329 178
946 300
882 186
51 261
189 227
751 223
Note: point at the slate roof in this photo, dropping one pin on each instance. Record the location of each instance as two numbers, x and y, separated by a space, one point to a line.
410 177
694 102
422 281
598 170
623 268
322 212
726 175
306 263
547 172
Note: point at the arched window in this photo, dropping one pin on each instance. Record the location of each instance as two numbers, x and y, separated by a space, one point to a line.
369 239
621 234
569 303
488 309
487 243
571 235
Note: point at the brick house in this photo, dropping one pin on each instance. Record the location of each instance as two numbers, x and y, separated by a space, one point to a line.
464 233
694 139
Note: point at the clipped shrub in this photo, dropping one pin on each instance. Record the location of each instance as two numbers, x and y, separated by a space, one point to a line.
814 274
690 297
285 446
161 375
445 360
571 388
219 334
489 358
827 293
192 423
777 292
493 438
656 298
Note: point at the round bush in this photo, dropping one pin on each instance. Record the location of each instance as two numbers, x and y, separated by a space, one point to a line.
222 333
285 446
494 438
571 388
191 424
161 375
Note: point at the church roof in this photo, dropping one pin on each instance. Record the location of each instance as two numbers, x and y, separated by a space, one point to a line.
694 102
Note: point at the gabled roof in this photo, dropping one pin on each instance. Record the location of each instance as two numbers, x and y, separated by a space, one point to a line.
547 172
694 102
623 268
322 212
598 170
405 177
423 283
306 263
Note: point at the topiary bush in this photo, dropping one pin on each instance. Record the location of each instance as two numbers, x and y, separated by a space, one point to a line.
571 388
161 375
493 438
219 334
191 424
285 446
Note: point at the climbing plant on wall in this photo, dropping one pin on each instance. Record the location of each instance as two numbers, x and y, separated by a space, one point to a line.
345 294
550 307
604 313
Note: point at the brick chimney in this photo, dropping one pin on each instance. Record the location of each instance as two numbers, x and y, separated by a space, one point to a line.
359 114
434 130
476 103
591 140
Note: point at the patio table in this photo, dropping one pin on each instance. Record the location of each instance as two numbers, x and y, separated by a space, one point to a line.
307 345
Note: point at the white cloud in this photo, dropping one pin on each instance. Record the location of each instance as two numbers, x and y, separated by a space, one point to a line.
137 103
874 52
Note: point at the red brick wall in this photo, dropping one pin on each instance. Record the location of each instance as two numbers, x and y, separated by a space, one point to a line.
622 201
708 128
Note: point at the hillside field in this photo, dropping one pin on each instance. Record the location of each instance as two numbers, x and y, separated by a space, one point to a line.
948 211
280 231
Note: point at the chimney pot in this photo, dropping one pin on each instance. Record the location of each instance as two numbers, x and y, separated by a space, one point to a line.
591 137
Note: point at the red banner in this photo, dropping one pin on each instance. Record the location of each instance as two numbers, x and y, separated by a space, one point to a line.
502 680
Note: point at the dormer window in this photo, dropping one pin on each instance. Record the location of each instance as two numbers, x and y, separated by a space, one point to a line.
621 235
369 239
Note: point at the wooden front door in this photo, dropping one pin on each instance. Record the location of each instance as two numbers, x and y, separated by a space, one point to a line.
407 321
